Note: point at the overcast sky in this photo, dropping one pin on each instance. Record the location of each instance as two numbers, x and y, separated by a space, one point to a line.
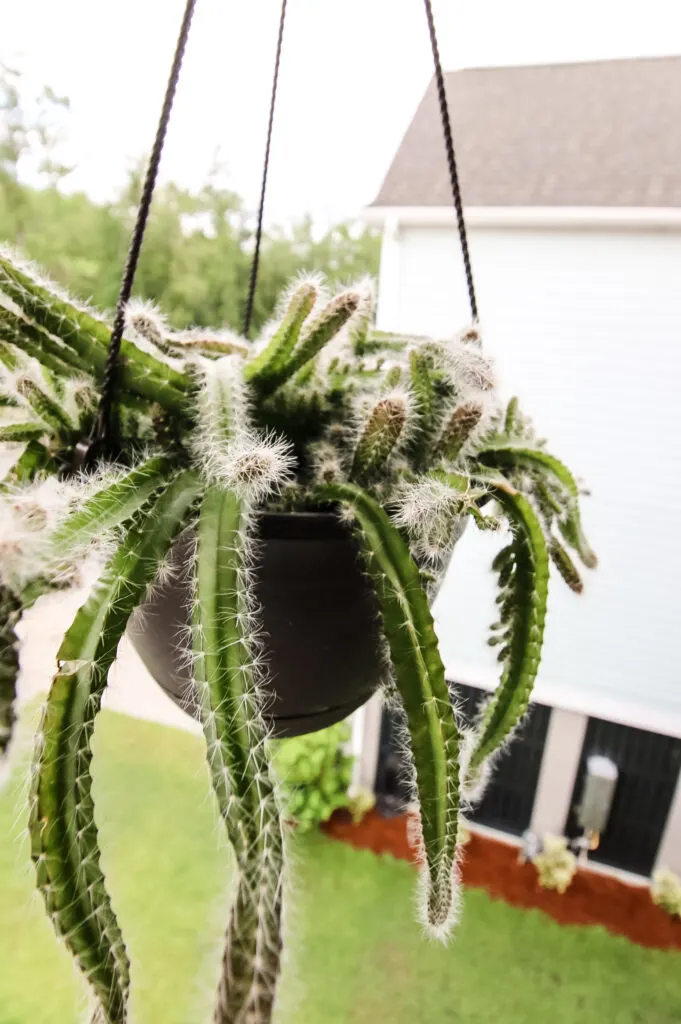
353 72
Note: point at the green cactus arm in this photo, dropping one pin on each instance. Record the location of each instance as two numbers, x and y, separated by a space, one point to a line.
570 526
515 455
46 408
433 390
376 342
524 580
565 566
10 357
64 843
220 412
15 432
88 337
225 636
224 657
423 387
220 659
34 460
312 340
107 509
548 505
420 680
511 416
512 455
381 434
392 378
211 347
264 367
35 342
457 430
10 610
110 506
253 944
20 335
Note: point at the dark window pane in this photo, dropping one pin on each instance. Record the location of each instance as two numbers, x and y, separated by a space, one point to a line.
508 801
648 767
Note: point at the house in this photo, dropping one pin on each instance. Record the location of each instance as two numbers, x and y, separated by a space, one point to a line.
571 181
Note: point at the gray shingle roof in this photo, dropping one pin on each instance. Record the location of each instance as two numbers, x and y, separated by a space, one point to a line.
606 133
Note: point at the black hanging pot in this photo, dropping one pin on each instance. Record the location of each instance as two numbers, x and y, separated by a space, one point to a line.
319 616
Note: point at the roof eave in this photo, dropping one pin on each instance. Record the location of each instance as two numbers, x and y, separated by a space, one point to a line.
642 218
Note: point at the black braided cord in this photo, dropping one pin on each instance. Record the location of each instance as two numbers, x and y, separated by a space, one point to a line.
248 314
451 161
104 428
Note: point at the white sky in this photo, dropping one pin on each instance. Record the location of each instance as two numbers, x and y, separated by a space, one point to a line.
353 72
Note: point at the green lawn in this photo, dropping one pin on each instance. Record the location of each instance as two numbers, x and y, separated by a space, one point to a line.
356 955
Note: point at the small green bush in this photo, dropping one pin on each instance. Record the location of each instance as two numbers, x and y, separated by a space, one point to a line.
556 865
314 772
665 891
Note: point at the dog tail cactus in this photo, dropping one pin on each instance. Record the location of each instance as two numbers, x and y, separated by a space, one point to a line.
64 838
226 659
402 437
419 679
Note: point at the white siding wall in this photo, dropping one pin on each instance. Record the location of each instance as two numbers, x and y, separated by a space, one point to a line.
586 328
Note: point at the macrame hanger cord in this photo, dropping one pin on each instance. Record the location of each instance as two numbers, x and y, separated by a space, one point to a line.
255 264
103 434
451 162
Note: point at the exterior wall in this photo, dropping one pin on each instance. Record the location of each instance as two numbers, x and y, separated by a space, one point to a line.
584 327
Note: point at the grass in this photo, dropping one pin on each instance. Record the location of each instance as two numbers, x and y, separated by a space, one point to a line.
359 956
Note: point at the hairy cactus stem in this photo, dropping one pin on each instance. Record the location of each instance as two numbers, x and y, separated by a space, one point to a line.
64 841
46 407
207 345
14 432
420 680
230 695
380 436
458 429
511 417
34 461
38 344
523 606
262 371
9 357
565 566
89 338
313 338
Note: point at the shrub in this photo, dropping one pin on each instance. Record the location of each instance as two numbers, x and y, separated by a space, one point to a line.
556 865
314 772
665 891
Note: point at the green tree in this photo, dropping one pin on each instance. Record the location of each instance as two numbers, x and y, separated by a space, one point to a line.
198 246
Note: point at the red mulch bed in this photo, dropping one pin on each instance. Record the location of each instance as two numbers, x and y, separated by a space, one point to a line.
488 864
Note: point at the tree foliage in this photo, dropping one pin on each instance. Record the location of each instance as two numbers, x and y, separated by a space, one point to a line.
198 245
